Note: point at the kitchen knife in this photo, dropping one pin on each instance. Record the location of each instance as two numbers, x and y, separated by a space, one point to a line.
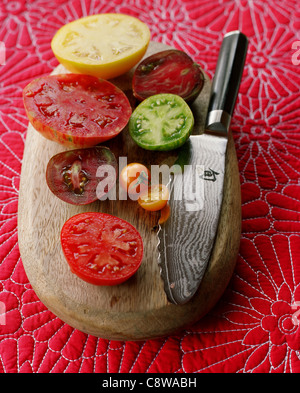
196 182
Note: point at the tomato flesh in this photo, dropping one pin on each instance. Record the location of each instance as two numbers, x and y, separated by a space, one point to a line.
164 214
101 249
155 198
161 122
104 45
76 110
170 71
72 175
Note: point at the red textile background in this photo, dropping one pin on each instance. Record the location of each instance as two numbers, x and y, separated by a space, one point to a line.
255 326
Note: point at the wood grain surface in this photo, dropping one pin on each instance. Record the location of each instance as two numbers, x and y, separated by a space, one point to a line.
137 309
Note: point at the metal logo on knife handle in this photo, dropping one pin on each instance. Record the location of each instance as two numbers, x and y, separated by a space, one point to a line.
186 239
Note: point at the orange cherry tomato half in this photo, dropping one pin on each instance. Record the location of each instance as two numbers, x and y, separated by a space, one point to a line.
155 198
134 178
164 214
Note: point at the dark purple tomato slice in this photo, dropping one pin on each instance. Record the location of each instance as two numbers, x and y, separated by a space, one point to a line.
170 71
74 176
76 110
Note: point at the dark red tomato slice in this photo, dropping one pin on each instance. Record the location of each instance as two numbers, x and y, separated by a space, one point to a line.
170 71
76 110
101 249
74 175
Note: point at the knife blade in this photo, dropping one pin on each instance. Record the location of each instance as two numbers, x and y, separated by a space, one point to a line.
186 239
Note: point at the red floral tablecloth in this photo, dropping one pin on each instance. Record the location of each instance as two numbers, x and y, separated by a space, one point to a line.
255 326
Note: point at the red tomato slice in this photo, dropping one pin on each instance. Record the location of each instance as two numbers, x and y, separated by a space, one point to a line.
101 249
74 175
171 71
76 110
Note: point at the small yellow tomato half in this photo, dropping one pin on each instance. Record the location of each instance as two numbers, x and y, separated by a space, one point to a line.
155 198
104 45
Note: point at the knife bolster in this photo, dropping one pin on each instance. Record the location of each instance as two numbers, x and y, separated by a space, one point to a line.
218 122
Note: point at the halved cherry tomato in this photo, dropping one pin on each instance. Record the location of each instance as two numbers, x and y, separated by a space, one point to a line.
104 45
73 175
164 214
76 110
155 198
135 178
170 71
101 249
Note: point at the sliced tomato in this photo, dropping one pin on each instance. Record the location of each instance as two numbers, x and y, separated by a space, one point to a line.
161 122
104 45
73 175
155 198
170 71
164 214
76 110
101 249
134 178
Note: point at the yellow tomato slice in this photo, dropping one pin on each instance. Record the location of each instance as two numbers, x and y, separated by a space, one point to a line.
104 45
155 198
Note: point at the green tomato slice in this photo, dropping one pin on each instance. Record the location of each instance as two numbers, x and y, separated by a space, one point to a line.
161 122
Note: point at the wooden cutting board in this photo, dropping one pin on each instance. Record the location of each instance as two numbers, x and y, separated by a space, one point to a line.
137 309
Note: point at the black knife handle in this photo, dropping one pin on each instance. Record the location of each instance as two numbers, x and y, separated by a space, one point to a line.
226 81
